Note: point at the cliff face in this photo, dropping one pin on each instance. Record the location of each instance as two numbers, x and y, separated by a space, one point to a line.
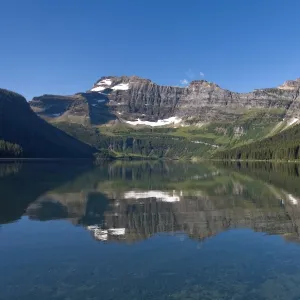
134 98
140 101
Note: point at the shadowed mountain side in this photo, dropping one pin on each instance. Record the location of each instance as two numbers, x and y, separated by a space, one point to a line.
22 184
82 108
38 139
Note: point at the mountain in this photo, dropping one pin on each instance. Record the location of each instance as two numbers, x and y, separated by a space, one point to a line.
82 108
21 127
127 113
132 98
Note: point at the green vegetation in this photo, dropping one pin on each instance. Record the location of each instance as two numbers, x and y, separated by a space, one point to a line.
10 150
282 146
150 143
189 142
282 175
104 155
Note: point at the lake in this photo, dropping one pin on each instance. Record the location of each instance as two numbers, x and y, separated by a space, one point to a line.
149 230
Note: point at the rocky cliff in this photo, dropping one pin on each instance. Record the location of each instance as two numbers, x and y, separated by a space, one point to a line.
139 101
171 121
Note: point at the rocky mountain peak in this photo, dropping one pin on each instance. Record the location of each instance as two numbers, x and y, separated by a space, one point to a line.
203 83
117 83
290 85
137 101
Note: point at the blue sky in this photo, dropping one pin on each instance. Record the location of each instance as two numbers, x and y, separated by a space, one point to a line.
64 46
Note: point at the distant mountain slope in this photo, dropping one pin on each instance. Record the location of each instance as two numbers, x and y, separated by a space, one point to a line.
82 108
20 125
281 146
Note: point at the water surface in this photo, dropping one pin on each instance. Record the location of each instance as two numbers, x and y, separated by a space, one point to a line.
149 230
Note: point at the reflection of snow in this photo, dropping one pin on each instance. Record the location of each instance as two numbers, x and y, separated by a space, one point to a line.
159 195
172 120
205 175
293 199
116 231
92 227
102 234
56 115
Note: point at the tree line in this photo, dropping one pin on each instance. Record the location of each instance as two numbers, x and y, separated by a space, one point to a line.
282 146
8 150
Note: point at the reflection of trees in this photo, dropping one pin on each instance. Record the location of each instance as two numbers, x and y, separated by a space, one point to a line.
30 180
211 200
7 169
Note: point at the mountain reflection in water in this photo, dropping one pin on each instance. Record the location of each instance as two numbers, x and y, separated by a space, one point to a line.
149 230
128 202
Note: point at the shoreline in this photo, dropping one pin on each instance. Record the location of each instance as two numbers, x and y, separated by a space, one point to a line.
137 158
42 159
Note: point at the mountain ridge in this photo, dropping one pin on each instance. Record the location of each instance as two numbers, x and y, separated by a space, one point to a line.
134 115
130 98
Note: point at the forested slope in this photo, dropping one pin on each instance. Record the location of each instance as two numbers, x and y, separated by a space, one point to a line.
282 146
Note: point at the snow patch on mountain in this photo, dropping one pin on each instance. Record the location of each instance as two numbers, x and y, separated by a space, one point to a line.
293 121
108 83
98 89
292 199
204 143
163 122
121 87
104 82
